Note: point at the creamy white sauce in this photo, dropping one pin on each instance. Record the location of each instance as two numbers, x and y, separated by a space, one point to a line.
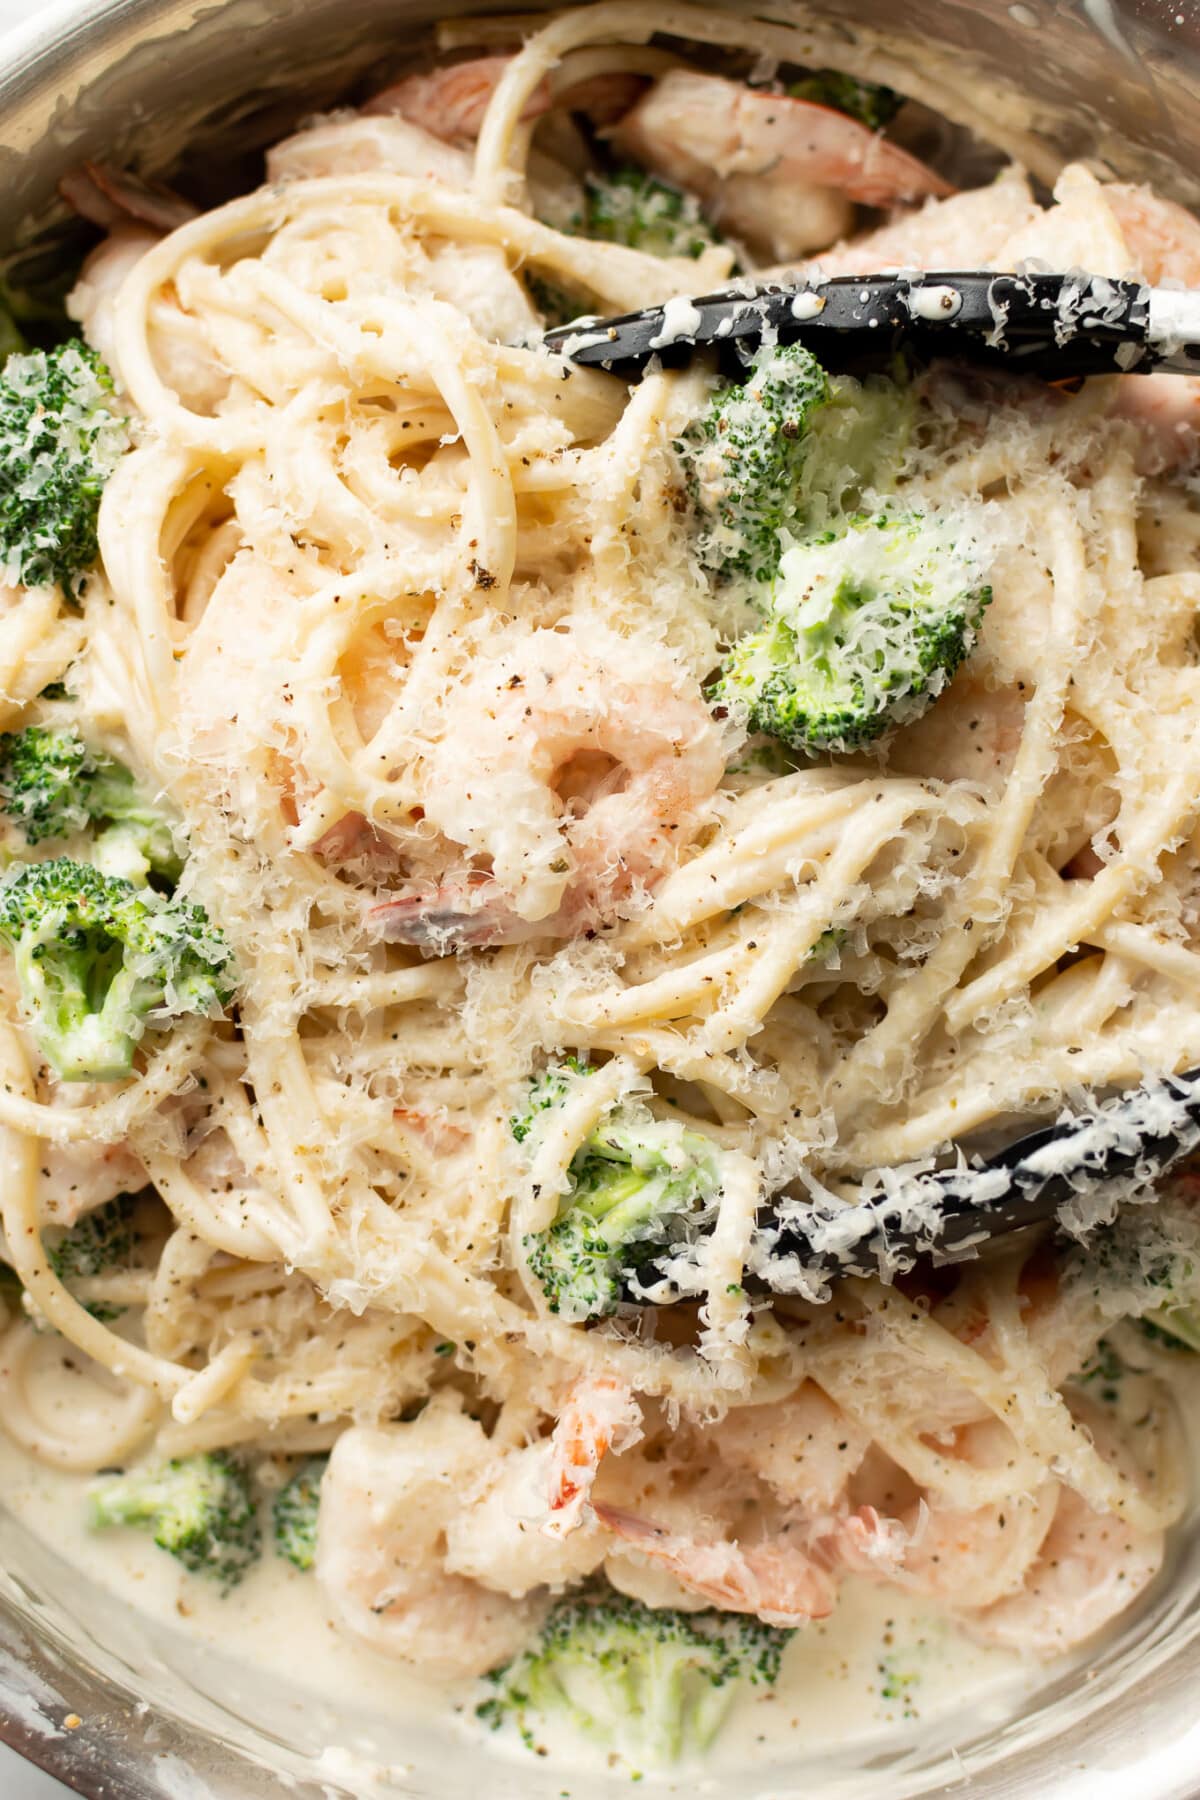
886 1675
879 1671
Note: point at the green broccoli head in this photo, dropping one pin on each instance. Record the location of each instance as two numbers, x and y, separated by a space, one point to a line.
98 960
789 451
657 1682
863 628
865 101
44 777
546 1090
199 1508
634 208
102 1241
53 785
745 457
638 1185
295 1513
60 440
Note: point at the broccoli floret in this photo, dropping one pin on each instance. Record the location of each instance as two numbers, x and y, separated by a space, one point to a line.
546 1090
1178 1327
633 208
60 440
54 785
101 1241
659 1682
865 101
200 1509
99 960
793 449
637 1185
863 629
745 458
295 1513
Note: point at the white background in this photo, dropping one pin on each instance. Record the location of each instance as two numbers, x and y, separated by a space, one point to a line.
18 1780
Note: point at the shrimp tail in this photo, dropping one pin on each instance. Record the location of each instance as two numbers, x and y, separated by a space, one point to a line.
599 1416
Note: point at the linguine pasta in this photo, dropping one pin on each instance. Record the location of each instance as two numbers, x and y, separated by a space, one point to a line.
404 618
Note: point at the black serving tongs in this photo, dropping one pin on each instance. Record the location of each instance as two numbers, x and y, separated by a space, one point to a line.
1058 327
1111 1149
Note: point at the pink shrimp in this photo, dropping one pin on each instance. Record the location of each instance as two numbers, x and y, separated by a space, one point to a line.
600 1415
577 767
946 1552
778 1580
450 102
111 197
1091 1568
805 1448
778 172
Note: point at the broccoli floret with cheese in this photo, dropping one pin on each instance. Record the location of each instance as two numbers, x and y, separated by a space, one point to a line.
54 785
638 1185
656 1682
634 208
745 458
790 451
60 440
545 1091
861 631
866 101
99 961
1144 1266
294 1513
199 1508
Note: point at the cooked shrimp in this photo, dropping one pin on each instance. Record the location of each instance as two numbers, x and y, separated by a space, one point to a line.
776 1579
450 102
943 1552
1163 237
111 197
352 146
1091 1568
181 349
933 236
387 1499
639 753
1080 230
92 302
805 1448
600 1415
499 1538
1166 410
777 172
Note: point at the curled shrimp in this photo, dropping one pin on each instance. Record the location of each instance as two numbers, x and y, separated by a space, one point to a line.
600 1415
389 1499
944 1552
576 781
450 102
112 197
776 1578
1091 1568
777 172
